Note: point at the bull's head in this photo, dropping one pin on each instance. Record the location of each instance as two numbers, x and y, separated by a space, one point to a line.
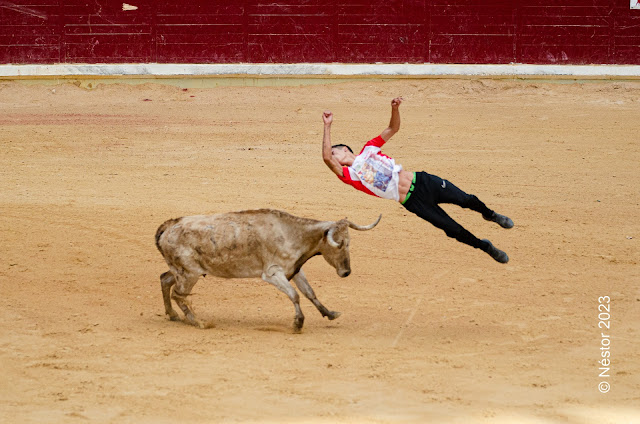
335 246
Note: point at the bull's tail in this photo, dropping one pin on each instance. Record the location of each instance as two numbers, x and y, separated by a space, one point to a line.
162 228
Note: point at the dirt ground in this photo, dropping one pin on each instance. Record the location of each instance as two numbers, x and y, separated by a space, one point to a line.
431 331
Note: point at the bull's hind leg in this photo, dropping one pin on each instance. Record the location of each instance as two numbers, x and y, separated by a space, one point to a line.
276 276
167 280
182 289
302 283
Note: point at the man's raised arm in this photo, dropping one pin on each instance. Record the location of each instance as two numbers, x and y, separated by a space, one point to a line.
394 123
327 156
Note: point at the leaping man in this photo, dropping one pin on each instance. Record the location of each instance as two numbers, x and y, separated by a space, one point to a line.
379 175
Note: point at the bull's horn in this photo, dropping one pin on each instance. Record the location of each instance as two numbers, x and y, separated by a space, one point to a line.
330 239
364 227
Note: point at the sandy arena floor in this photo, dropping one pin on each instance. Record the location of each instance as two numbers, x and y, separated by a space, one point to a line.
431 331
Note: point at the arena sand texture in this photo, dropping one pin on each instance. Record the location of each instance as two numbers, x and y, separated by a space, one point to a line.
431 331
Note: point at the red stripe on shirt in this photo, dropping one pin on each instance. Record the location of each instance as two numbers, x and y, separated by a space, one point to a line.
377 142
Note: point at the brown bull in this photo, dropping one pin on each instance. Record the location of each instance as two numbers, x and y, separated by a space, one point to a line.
265 243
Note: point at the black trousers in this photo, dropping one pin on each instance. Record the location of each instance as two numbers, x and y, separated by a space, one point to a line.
429 191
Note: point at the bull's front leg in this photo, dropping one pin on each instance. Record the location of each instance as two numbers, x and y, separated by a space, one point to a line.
275 275
301 281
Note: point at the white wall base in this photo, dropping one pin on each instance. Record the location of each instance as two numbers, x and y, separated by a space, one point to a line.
318 69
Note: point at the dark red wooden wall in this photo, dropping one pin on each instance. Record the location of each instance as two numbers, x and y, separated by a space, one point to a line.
285 31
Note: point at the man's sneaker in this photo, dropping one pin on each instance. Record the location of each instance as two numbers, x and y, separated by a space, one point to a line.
503 221
496 253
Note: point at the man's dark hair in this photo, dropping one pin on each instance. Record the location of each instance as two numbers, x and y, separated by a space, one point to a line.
342 145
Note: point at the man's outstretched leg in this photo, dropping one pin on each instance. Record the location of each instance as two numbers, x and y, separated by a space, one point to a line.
421 203
441 220
445 191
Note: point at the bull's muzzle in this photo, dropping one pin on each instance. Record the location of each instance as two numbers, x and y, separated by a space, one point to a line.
344 273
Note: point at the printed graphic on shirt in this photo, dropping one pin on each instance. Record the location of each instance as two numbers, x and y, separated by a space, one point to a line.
375 171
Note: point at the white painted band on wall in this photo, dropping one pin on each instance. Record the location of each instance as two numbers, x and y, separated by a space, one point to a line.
317 69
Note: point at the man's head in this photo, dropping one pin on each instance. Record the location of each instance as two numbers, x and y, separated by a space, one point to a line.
343 154
341 146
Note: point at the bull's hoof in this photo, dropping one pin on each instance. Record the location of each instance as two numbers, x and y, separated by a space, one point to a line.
297 324
173 316
333 315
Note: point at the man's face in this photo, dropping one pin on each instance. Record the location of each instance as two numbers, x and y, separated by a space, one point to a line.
340 153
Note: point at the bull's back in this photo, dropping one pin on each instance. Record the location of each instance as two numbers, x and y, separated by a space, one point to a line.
225 245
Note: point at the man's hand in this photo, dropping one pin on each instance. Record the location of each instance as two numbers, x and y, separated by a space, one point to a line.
327 155
327 117
394 123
